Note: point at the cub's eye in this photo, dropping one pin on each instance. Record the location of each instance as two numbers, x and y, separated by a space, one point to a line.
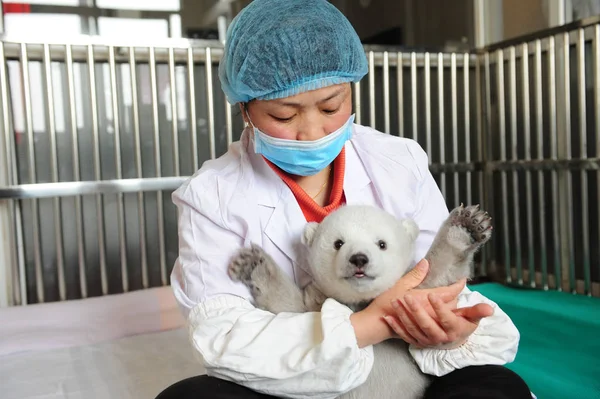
338 244
382 245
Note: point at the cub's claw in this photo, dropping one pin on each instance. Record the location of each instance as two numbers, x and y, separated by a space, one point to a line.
244 262
476 222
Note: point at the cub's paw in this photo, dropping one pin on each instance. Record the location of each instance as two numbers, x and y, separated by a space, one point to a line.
245 262
474 221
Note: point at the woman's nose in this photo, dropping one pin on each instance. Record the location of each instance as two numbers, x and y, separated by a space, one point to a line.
310 131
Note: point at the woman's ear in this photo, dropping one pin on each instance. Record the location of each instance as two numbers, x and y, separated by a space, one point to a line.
244 111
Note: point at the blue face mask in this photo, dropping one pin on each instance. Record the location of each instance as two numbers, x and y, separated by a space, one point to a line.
303 158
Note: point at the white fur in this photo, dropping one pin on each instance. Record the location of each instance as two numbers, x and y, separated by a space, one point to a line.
361 230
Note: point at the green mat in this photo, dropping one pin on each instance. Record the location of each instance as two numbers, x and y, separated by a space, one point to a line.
559 351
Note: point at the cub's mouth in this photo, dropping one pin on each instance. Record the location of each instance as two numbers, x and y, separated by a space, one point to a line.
358 274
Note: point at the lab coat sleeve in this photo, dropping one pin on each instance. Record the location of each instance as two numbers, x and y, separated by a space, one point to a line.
494 342
496 339
286 355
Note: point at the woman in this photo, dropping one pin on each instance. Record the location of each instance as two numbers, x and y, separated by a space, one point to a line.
289 65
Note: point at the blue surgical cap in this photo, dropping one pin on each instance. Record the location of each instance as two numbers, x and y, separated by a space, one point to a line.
280 48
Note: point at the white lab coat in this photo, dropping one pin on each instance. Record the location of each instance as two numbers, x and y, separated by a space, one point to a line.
238 199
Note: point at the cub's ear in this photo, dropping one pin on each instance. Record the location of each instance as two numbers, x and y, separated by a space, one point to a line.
309 233
411 228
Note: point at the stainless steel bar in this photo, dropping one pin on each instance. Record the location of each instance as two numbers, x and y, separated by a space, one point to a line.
566 176
19 293
76 173
514 156
118 167
79 188
155 121
575 164
5 132
372 114
135 106
540 155
480 137
192 98
486 177
386 93
357 102
552 83
454 94
37 250
442 132
503 177
467 120
142 53
528 181
228 123
133 185
101 53
413 85
158 169
585 214
400 93
427 70
596 50
60 264
97 171
210 104
174 116
23 289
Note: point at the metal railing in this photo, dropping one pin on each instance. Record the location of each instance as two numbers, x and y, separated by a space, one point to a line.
100 141
542 118
97 134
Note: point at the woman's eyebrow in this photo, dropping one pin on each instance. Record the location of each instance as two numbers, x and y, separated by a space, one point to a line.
298 105
333 95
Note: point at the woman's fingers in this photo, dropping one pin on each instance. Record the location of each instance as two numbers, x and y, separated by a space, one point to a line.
399 330
425 322
448 321
409 324
412 326
475 313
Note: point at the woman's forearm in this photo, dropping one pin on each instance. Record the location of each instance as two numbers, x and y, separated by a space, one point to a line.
369 327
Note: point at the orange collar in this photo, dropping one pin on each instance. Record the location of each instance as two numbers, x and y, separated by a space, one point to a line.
312 211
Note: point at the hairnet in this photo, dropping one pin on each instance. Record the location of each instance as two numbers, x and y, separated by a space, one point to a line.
279 48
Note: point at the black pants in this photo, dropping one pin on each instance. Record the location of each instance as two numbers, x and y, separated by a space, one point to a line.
489 382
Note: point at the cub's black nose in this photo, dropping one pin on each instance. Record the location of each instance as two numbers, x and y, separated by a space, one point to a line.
359 260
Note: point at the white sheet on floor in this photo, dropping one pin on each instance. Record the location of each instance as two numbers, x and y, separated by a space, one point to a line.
136 367
87 321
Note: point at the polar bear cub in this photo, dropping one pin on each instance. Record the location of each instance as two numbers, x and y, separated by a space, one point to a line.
356 253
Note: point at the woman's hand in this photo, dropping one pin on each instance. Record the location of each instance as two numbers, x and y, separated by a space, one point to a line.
369 324
407 286
444 326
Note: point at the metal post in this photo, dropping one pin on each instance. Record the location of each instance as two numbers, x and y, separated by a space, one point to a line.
1 17
563 121
488 22
6 248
